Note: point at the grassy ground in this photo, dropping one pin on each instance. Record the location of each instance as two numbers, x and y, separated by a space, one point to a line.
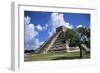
56 56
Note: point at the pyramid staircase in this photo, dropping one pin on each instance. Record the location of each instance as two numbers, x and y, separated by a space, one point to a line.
48 44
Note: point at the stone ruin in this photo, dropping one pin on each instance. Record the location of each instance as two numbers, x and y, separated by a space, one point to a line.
56 43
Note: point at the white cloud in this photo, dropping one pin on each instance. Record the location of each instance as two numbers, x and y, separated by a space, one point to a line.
50 34
57 19
27 20
41 43
69 26
39 28
30 32
79 26
37 43
31 42
42 28
45 27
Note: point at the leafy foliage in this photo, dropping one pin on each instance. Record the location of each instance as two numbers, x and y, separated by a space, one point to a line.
78 36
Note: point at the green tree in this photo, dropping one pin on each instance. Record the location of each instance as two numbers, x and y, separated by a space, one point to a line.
84 35
71 37
78 37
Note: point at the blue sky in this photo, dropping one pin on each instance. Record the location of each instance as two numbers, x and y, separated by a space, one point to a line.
39 26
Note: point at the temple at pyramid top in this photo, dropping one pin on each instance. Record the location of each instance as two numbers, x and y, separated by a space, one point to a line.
61 28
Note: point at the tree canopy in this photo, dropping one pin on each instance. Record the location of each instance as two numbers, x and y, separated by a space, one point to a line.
78 36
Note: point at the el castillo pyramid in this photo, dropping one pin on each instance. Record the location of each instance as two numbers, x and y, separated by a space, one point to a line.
56 43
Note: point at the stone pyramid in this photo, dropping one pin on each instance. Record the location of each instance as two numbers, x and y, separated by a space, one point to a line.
56 43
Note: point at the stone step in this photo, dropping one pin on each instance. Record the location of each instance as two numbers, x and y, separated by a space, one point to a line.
54 46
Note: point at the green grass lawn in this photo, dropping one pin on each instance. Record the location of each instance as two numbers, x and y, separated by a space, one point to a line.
56 56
